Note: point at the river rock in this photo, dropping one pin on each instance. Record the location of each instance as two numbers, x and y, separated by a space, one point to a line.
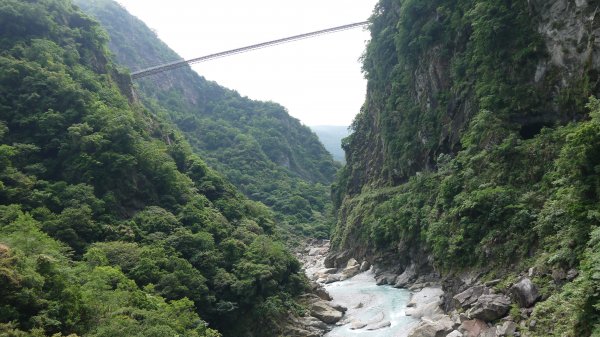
323 311
490 307
409 275
333 278
379 325
356 325
322 293
385 278
428 328
352 268
364 266
525 292
472 328
338 307
425 303
466 299
327 271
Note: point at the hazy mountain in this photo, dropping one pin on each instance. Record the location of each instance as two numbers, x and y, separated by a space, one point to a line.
331 136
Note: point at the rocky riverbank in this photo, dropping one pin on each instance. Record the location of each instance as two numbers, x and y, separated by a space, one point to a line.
458 306
370 305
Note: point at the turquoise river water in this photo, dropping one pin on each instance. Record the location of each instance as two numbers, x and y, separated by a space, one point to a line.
370 307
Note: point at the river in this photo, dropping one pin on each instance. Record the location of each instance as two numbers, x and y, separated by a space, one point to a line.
371 306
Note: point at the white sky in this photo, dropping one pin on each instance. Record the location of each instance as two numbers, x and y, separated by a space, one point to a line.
318 80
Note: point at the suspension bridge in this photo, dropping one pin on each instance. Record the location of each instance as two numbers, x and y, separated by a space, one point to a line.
181 63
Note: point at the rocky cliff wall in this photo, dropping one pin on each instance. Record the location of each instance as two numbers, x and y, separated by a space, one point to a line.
433 66
477 150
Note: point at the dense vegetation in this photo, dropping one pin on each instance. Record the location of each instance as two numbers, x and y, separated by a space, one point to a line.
109 224
263 151
462 152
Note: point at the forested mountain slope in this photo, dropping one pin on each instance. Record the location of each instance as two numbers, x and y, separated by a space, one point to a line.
266 153
109 224
478 150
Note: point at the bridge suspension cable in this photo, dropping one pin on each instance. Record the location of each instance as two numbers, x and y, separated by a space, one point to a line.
178 64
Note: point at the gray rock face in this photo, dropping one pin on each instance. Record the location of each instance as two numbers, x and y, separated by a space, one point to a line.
324 312
322 293
333 278
364 266
571 30
468 297
409 275
338 307
490 307
352 268
385 278
525 292
337 260
304 327
297 331
426 303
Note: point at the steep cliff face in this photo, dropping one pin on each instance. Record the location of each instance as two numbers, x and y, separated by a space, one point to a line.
571 31
433 65
478 149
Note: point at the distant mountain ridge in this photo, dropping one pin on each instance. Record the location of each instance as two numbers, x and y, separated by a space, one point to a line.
331 136
267 154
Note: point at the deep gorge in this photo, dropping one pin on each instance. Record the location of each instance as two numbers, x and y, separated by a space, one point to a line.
172 206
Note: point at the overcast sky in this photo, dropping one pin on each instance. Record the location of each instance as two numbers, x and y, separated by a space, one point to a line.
318 80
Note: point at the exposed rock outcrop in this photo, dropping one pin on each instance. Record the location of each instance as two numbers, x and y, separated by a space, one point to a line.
337 260
468 297
426 303
385 278
325 312
352 268
409 275
490 307
525 293
304 327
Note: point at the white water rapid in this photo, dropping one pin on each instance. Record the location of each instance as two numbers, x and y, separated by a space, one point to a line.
373 311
